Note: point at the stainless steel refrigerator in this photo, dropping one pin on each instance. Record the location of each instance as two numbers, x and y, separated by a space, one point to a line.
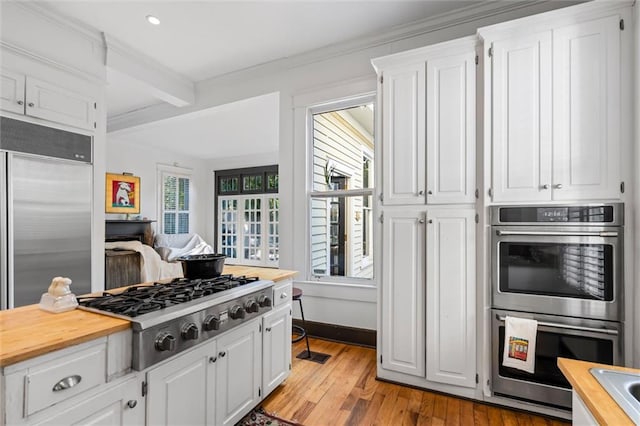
45 210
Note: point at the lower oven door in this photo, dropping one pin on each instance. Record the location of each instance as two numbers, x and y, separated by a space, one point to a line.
575 338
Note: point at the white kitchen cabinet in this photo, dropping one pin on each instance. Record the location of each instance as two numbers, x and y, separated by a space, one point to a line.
580 414
119 403
586 105
182 391
556 111
11 91
276 347
521 120
451 128
238 372
402 299
23 94
427 101
450 302
403 134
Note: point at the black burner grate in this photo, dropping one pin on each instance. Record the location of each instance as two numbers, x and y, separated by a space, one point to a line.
141 300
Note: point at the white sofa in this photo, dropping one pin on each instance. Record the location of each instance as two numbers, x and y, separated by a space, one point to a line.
172 246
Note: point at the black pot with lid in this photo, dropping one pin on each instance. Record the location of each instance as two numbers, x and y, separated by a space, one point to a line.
202 265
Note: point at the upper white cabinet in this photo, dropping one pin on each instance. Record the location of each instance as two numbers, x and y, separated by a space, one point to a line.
451 128
22 94
522 118
556 108
403 135
427 102
451 297
586 105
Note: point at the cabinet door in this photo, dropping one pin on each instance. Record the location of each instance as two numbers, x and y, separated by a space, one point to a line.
403 137
403 292
50 102
11 91
586 129
521 124
182 391
276 349
451 96
238 373
451 319
118 405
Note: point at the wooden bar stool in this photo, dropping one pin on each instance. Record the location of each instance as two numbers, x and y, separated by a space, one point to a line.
297 295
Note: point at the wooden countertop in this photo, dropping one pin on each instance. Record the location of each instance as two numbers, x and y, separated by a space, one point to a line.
272 274
604 409
28 331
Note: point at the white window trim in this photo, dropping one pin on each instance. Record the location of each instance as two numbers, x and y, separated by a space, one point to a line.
162 170
367 260
311 110
264 224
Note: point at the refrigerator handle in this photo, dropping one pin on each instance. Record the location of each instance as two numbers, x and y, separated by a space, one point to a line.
4 239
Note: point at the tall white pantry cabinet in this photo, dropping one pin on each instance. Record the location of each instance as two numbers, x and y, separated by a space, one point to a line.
426 104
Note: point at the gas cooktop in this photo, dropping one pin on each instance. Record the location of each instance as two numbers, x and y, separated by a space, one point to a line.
143 299
167 318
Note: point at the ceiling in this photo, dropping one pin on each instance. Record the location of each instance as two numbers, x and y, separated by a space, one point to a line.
198 40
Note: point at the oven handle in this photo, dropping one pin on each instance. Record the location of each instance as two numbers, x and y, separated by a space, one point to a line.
560 234
570 327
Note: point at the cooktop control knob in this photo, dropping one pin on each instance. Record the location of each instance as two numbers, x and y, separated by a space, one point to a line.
190 331
165 342
251 306
237 312
211 322
264 301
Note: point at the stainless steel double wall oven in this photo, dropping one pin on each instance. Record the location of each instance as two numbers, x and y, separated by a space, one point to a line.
563 266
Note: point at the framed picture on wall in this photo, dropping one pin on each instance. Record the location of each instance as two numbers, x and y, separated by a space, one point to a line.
122 194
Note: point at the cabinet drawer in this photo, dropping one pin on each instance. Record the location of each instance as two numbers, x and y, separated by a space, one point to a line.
282 293
59 379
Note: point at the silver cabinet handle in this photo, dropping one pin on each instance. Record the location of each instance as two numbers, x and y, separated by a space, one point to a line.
20 102
222 354
132 403
213 359
421 192
559 186
421 221
283 296
429 192
430 221
67 383
268 329
546 186
31 104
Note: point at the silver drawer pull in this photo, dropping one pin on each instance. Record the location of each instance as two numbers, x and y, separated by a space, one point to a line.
283 296
67 383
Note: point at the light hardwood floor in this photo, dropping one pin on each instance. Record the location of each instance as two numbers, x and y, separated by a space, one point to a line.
344 391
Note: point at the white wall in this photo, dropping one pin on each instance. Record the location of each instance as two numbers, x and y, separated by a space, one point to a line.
124 156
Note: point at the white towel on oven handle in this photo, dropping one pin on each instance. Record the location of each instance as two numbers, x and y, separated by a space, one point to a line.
520 343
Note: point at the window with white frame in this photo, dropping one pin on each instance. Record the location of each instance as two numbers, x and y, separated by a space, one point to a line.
175 186
341 190
248 215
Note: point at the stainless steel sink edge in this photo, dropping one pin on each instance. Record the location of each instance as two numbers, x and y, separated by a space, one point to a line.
618 384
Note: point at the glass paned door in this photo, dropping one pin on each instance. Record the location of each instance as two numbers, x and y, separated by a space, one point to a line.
229 228
252 244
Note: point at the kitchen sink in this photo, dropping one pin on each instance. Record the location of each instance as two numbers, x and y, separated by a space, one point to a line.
623 387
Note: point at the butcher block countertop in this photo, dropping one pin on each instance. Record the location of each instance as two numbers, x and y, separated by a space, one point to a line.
603 408
28 331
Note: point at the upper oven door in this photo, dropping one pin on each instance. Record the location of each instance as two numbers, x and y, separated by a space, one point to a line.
559 271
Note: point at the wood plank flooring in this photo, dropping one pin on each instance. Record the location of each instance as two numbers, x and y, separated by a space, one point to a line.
344 391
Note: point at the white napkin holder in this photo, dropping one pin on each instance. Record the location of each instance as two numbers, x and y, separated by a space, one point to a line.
59 297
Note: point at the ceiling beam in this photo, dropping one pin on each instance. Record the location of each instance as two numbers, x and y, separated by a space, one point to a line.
153 77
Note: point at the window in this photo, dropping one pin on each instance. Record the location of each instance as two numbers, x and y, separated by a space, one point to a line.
342 190
175 186
248 216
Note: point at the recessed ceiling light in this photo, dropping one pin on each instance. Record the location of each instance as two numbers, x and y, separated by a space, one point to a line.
153 20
